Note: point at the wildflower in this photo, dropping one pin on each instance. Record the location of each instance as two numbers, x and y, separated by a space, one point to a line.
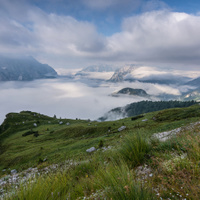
126 188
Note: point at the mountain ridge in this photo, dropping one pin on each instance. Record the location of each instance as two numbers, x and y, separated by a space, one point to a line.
24 69
147 75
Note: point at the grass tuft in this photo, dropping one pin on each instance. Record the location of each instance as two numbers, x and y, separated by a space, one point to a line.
135 149
118 183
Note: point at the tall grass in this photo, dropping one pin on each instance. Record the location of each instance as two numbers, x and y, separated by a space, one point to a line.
118 183
51 186
69 183
177 166
135 148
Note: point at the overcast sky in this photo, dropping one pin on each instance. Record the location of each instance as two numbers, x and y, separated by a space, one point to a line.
78 33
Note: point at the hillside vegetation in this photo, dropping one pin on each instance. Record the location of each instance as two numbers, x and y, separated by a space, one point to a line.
142 107
153 156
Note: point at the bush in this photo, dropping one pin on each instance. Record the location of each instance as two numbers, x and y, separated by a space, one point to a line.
100 145
36 134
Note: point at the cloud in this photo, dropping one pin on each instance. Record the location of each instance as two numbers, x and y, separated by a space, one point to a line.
154 5
159 37
64 34
60 97
112 4
73 99
48 35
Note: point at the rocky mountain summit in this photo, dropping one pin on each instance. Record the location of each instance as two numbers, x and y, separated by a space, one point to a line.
119 74
24 69
147 74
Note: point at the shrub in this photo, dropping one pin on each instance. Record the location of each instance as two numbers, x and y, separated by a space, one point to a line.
36 134
100 145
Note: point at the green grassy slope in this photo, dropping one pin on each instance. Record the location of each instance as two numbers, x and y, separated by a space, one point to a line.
58 140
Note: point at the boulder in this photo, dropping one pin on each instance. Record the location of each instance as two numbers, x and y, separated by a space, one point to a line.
91 149
144 120
121 128
14 171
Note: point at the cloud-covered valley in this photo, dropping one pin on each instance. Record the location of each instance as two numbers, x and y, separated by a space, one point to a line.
86 99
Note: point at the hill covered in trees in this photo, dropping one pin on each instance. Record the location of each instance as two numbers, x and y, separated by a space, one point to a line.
131 91
141 107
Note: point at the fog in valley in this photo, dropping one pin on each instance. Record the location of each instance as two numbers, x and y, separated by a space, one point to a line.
74 98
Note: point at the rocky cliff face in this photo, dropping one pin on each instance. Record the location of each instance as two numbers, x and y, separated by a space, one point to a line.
24 69
147 75
119 74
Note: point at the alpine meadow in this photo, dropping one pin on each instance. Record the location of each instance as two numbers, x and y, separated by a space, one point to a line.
99 100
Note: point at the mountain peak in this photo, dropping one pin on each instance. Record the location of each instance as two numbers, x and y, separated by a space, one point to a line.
24 69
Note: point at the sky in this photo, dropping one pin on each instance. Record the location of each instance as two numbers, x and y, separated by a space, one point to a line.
78 33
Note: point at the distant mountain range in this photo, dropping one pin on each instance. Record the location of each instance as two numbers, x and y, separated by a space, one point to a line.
147 74
98 68
24 69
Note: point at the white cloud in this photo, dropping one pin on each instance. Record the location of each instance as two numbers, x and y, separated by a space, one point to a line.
49 36
154 37
60 97
154 5
64 35
158 36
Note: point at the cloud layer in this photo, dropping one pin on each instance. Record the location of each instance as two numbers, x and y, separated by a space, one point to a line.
160 37
72 99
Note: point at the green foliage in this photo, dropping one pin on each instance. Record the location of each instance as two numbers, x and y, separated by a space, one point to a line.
137 117
177 114
134 149
131 91
30 133
40 160
100 145
104 174
51 186
142 107
118 183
